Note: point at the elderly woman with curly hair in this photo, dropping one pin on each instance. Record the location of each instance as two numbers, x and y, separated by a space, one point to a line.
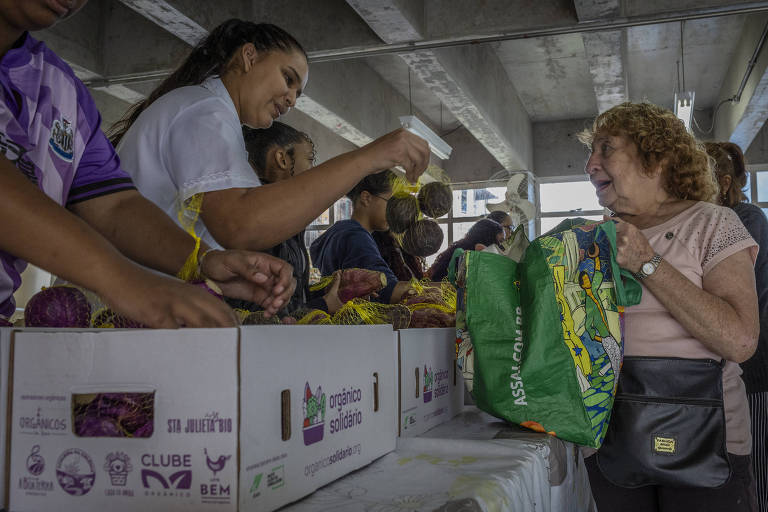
694 260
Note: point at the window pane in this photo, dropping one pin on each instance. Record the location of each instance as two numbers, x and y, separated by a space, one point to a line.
311 235
323 219
342 209
460 229
431 259
568 197
471 202
548 223
762 186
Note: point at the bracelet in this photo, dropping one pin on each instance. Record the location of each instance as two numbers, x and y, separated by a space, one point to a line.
191 268
200 261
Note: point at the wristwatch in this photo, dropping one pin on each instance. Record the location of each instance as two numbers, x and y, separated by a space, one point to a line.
648 268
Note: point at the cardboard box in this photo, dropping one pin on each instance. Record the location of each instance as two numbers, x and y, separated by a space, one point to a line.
247 419
431 386
184 453
5 348
316 402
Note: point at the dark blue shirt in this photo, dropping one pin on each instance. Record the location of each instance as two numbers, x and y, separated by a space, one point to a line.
347 244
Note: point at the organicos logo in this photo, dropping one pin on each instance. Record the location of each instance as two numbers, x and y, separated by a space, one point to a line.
428 381
41 424
75 472
313 408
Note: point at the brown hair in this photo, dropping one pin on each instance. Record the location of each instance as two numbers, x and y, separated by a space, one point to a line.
729 161
210 57
661 139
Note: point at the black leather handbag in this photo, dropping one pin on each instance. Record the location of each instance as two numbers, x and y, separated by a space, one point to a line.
667 426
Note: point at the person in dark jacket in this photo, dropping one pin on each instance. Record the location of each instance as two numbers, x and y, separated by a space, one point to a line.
349 243
732 177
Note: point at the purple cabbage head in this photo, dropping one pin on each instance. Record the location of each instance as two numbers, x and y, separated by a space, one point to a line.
58 306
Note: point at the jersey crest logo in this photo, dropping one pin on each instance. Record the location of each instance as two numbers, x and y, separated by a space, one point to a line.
62 139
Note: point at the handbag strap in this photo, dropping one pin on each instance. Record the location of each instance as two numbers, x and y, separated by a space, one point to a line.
457 253
628 289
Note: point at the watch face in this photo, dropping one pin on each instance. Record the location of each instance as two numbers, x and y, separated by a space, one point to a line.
648 268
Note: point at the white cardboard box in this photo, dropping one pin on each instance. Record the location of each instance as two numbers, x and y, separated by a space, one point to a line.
316 402
188 463
431 386
5 347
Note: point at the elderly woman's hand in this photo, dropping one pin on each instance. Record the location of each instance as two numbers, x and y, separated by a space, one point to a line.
632 248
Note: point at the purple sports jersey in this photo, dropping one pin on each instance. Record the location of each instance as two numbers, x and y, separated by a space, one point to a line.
50 130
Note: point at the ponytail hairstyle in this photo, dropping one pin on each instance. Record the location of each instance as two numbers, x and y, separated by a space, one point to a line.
729 161
258 142
211 57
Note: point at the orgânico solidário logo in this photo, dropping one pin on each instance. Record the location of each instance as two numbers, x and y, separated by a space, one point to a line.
35 461
75 472
313 408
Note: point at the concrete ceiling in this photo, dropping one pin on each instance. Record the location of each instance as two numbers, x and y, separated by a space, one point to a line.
506 82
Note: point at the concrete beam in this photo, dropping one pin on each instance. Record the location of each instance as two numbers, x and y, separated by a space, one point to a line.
604 52
591 10
473 85
170 18
389 19
740 122
451 75
606 66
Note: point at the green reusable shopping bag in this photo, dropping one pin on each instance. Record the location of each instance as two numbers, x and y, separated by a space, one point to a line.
546 333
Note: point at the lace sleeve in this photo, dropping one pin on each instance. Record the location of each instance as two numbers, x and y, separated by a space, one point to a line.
727 236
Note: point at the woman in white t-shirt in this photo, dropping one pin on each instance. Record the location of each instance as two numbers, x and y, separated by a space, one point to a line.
184 147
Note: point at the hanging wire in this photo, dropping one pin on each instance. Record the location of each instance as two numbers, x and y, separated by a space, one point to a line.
682 52
410 102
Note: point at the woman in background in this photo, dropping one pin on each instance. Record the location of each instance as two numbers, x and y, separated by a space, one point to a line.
485 232
732 177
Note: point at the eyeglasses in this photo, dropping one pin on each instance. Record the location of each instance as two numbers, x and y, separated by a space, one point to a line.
385 199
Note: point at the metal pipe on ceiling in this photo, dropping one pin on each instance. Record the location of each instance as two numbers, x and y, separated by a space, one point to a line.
357 52
588 26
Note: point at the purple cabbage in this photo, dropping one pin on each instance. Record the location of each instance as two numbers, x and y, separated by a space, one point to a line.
113 414
58 306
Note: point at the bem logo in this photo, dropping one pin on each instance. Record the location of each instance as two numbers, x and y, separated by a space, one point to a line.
215 465
62 139
178 480
313 407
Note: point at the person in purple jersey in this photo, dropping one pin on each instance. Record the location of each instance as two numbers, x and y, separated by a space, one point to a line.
69 208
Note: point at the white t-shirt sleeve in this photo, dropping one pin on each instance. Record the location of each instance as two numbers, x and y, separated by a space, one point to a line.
204 151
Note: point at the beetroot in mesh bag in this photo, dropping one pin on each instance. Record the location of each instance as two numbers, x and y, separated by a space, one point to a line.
435 199
423 238
116 414
108 319
58 306
431 317
402 211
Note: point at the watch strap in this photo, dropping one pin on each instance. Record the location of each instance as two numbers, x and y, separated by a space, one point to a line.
655 261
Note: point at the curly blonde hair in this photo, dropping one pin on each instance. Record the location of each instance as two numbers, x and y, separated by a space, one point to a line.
660 138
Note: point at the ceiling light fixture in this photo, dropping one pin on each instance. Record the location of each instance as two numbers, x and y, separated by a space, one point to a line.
438 146
684 107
